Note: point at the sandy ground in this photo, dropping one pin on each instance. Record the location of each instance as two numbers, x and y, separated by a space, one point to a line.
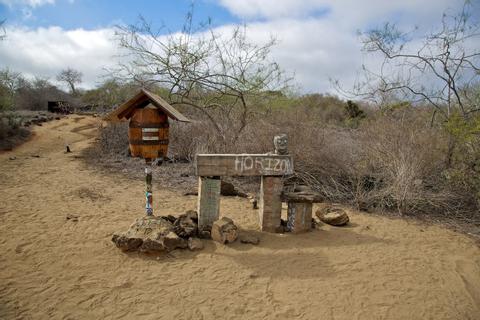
54 268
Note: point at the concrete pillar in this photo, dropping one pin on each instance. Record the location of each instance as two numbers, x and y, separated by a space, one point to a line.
270 212
299 216
208 201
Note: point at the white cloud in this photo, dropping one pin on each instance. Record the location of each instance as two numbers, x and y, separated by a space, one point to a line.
272 8
315 48
29 3
350 12
312 49
319 47
45 51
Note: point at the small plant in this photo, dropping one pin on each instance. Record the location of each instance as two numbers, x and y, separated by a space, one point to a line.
354 114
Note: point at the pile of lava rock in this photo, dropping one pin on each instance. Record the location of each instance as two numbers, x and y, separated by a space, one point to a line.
167 233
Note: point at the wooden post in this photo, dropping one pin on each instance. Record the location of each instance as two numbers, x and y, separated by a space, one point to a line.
208 202
148 190
299 216
270 213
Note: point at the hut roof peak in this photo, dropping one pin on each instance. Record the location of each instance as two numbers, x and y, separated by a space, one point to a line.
142 99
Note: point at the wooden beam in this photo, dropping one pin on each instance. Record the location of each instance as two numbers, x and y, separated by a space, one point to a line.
243 165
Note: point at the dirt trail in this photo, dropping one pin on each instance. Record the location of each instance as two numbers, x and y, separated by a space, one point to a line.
54 268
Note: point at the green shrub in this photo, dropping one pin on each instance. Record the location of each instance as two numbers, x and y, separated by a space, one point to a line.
464 170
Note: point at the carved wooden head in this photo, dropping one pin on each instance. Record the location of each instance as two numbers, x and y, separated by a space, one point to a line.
281 144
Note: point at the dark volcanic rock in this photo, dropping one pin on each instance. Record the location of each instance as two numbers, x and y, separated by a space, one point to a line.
126 243
249 238
227 189
169 218
151 245
185 225
204 234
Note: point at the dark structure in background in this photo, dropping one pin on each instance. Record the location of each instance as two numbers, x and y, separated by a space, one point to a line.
62 107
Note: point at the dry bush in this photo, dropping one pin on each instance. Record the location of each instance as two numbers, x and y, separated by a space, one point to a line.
391 162
11 131
113 139
189 139
401 166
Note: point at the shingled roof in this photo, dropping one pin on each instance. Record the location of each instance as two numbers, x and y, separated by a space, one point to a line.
141 100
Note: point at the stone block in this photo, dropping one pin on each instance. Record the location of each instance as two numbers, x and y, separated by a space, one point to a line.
224 231
299 216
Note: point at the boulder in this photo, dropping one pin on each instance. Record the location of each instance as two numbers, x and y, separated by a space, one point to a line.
249 238
126 243
186 225
146 234
151 245
172 241
204 234
195 244
169 218
224 231
334 216
227 189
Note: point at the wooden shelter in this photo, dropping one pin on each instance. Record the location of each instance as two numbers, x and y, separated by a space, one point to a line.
148 127
140 101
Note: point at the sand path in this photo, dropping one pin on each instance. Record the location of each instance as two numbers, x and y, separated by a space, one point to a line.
54 268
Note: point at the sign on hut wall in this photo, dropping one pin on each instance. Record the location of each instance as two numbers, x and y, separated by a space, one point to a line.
244 165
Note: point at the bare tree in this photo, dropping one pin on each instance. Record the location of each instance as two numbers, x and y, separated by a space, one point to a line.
10 82
222 76
11 79
71 77
435 71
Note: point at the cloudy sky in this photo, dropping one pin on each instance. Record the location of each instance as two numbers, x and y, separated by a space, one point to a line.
317 38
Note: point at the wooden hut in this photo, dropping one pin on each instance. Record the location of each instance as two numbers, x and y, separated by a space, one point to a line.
148 127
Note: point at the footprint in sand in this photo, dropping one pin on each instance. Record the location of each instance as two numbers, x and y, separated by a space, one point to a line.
19 248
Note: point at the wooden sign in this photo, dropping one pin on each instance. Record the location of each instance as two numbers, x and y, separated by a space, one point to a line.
243 165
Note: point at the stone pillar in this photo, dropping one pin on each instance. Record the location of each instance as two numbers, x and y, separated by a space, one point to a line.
270 212
208 201
299 216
